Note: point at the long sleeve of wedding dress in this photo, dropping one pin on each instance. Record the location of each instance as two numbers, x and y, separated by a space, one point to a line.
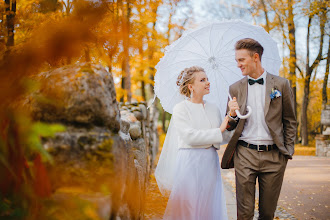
190 135
226 136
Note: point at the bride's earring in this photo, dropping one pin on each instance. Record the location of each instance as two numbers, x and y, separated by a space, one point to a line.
191 94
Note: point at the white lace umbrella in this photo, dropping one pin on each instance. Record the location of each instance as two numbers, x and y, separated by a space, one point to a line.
211 46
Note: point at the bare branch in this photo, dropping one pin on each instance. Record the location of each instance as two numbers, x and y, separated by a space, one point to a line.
319 56
301 73
307 43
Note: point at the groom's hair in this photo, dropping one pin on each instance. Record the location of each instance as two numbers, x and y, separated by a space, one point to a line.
251 45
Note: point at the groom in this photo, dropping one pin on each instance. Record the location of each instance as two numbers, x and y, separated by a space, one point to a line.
261 144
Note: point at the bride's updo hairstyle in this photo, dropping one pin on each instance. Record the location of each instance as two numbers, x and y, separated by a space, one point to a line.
187 76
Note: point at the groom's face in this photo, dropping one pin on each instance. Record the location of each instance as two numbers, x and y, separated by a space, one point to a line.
245 62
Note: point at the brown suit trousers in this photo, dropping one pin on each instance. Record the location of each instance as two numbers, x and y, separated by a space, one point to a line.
268 167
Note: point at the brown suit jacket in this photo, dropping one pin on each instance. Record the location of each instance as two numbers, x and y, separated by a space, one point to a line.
279 116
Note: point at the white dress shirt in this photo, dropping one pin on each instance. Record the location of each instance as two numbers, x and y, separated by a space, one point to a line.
255 128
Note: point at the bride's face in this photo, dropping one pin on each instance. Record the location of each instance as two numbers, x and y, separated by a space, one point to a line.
201 84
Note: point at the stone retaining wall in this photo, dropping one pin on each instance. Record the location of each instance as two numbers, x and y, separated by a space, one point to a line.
105 156
323 140
322 145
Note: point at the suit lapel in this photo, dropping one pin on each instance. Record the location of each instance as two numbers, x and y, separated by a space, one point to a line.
243 93
269 86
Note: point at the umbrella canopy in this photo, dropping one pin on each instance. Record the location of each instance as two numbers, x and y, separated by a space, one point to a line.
211 47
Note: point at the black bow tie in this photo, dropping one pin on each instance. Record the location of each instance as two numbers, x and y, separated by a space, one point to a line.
260 81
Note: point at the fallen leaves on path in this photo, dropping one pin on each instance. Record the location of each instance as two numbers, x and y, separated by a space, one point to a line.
155 202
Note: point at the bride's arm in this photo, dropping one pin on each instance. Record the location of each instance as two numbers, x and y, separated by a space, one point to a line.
226 136
191 135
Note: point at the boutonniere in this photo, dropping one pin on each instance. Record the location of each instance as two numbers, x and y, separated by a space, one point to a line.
275 93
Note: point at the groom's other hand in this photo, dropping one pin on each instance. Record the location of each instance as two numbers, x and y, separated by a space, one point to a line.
233 105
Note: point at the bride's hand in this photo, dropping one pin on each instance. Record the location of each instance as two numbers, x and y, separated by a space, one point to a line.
224 124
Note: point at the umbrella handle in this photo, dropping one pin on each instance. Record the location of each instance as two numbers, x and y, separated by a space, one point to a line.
238 113
244 116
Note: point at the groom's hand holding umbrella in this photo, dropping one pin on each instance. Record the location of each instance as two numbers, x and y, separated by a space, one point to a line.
232 114
233 106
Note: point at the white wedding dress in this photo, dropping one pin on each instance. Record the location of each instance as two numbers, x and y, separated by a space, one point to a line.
190 172
197 192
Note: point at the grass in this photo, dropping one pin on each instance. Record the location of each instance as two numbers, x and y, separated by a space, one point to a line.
304 150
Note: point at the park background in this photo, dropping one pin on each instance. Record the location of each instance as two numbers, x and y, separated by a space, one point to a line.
128 38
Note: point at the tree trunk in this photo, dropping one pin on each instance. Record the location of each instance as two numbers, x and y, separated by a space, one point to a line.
87 54
10 24
110 63
326 76
304 120
113 48
123 79
303 125
143 92
309 71
127 67
163 120
143 89
151 68
151 49
293 58
126 77
266 15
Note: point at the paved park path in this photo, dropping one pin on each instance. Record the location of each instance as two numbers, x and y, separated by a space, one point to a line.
306 188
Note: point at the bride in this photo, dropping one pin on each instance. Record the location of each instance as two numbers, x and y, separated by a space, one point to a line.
188 167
